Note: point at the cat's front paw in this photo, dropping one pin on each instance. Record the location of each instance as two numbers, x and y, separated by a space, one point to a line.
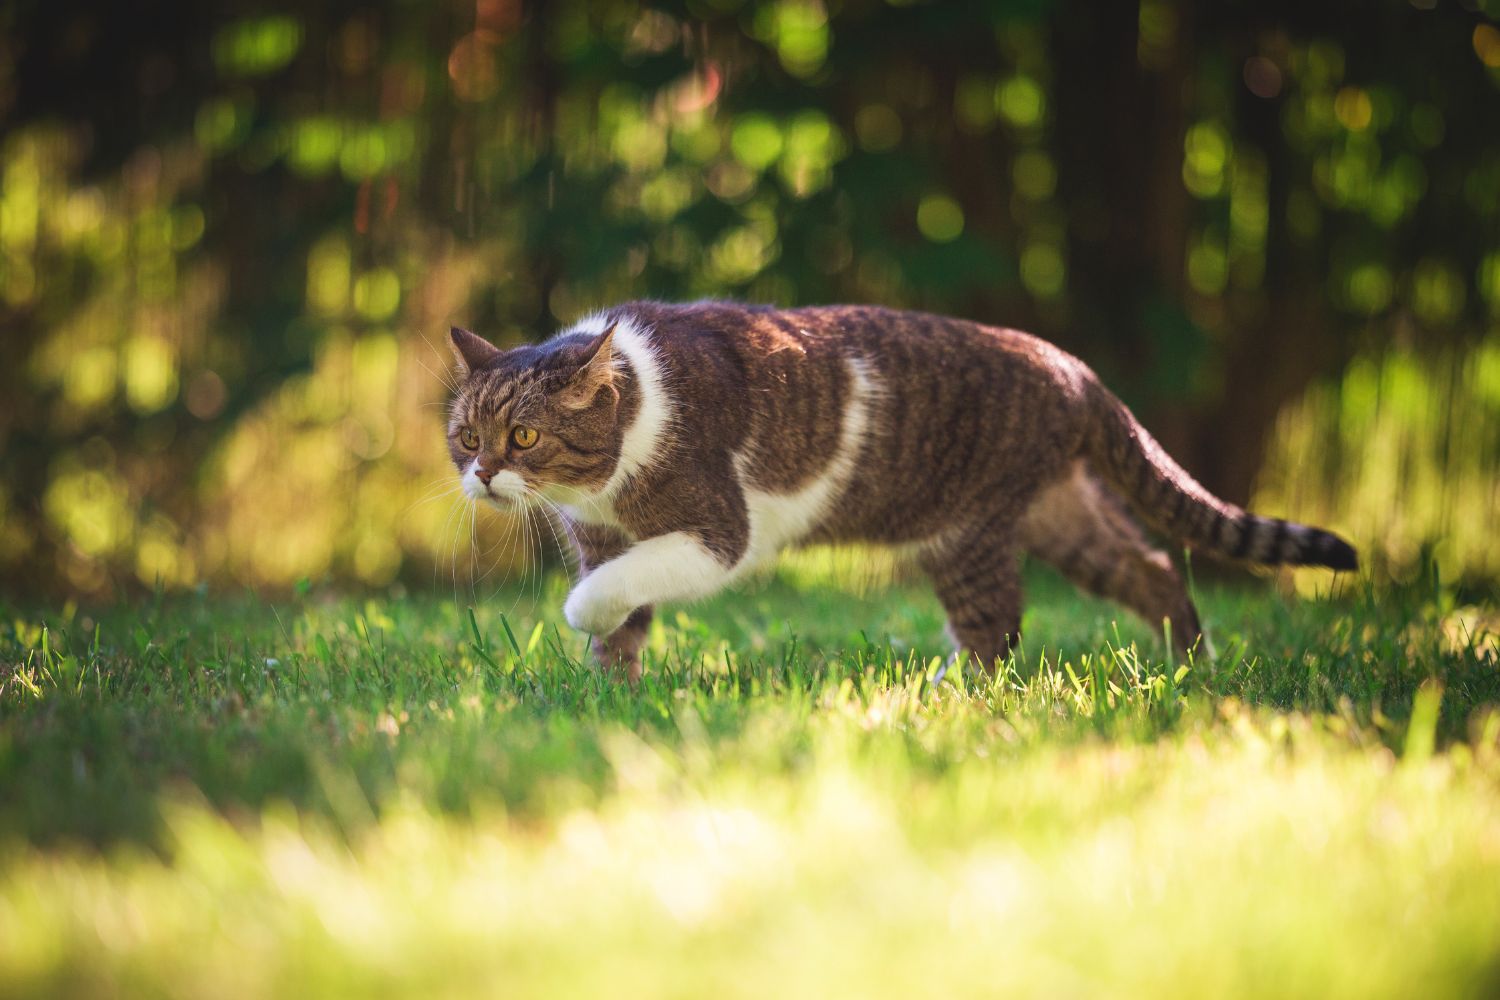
590 609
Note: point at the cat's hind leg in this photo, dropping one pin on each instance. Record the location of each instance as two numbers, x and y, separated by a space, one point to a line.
977 579
1082 529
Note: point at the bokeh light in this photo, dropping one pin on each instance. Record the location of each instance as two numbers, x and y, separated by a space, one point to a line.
225 282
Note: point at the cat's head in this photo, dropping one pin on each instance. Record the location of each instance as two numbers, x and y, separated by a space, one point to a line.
537 419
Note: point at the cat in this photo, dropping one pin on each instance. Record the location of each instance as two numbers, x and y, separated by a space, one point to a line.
687 444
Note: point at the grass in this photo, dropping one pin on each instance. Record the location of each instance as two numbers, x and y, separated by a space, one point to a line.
329 795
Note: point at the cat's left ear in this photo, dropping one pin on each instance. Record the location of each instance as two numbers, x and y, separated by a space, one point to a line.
470 350
596 373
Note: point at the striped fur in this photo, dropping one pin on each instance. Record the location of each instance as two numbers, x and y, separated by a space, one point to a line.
1174 503
687 444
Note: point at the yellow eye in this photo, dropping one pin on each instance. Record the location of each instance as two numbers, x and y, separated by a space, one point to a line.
469 439
524 437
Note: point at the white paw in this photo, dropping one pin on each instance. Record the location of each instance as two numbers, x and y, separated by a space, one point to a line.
590 609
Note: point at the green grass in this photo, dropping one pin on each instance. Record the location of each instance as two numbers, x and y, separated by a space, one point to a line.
223 797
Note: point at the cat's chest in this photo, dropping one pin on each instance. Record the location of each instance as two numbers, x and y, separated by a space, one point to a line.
596 512
774 521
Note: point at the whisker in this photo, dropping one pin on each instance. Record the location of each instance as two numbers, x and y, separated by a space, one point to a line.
533 559
443 375
549 510
435 490
473 554
468 510
443 533
513 539
485 555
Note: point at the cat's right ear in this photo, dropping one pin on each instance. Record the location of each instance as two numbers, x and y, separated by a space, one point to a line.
470 350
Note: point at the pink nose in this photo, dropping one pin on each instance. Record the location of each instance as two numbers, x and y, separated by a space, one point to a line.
484 475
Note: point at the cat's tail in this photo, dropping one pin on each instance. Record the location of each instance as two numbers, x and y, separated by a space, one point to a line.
1173 502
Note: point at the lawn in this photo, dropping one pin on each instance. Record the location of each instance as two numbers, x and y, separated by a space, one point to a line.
224 796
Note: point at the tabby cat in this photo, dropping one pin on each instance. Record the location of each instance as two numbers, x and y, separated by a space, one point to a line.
688 444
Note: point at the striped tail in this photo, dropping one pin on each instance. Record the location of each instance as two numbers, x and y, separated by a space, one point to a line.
1174 503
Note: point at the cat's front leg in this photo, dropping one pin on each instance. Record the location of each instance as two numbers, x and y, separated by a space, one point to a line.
677 566
673 561
620 651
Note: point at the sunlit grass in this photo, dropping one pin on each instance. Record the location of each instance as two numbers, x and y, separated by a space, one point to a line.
211 798
1398 453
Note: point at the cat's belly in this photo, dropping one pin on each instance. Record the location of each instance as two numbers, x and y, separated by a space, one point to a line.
779 522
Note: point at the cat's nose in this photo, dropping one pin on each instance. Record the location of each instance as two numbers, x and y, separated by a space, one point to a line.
482 474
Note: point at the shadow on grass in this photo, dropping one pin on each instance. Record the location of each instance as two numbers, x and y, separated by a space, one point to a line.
343 706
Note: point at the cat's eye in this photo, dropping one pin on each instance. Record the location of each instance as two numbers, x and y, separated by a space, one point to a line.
524 437
469 439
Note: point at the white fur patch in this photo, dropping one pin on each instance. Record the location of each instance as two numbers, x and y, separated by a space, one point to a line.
648 432
671 567
506 488
676 566
778 520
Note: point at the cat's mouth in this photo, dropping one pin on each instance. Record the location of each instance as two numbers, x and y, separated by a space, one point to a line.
504 501
506 491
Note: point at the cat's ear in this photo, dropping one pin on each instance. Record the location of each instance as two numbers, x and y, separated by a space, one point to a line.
596 372
470 350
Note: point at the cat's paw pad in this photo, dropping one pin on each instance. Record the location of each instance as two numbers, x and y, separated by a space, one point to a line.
593 612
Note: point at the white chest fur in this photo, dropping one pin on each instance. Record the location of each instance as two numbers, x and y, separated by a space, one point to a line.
598 510
650 427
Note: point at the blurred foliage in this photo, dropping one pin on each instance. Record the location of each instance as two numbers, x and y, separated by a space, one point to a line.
1402 450
230 248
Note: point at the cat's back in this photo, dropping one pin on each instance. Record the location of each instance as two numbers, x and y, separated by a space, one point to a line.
718 338
779 389
763 359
